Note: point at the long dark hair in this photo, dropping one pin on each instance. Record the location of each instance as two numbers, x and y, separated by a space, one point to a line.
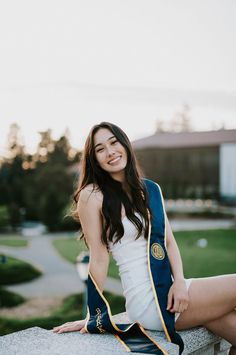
114 195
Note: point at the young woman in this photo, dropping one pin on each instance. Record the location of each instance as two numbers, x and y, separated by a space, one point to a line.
113 206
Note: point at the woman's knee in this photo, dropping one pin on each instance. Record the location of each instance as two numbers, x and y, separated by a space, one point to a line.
224 326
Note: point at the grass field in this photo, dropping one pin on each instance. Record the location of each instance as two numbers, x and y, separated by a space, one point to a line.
14 242
69 248
218 258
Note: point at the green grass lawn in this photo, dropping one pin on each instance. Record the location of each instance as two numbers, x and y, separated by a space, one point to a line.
14 242
217 258
10 235
69 248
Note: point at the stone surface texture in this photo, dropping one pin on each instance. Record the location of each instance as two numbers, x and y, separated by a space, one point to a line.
38 341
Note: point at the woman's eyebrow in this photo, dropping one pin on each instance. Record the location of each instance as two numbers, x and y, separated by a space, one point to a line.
102 143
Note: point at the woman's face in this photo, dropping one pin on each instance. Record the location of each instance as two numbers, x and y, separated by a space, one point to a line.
110 154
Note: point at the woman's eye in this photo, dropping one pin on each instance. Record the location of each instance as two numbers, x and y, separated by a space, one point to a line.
99 150
114 142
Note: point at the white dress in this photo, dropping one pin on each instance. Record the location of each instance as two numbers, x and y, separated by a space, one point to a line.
131 258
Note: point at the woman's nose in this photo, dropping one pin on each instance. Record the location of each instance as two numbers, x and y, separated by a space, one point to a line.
110 151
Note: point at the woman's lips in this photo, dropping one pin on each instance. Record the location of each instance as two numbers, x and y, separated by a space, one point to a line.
114 161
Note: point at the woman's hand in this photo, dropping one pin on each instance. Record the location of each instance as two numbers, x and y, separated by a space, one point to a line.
71 327
178 298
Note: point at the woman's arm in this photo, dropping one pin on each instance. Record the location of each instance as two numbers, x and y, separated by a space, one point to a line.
178 298
173 253
89 209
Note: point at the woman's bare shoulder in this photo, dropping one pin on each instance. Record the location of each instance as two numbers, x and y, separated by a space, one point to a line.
91 194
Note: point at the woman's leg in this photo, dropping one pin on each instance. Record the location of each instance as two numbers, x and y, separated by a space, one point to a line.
221 327
212 303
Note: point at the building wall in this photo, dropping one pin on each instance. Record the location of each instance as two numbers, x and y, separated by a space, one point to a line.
183 172
228 171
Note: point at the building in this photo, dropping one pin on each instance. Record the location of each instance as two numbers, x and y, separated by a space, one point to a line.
191 164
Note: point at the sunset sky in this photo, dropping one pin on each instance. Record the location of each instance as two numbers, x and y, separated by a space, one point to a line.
71 64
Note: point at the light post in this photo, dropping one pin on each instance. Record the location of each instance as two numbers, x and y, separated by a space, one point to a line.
3 258
82 262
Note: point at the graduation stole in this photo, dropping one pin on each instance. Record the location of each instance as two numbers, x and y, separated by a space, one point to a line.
133 336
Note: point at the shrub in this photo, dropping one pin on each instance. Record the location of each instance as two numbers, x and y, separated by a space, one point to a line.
68 312
15 271
9 299
4 217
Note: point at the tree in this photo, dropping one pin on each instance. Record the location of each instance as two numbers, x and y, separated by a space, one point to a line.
45 147
54 189
40 184
60 154
159 126
15 146
181 122
12 176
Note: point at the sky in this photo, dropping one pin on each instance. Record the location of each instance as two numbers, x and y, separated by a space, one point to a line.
72 63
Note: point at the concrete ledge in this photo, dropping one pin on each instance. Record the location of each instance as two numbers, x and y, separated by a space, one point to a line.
38 341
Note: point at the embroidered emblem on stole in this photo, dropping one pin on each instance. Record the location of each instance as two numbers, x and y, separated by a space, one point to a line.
157 251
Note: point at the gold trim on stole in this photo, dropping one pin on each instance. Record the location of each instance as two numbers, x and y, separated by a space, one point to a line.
107 304
153 286
122 343
164 210
153 340
110 316
115 326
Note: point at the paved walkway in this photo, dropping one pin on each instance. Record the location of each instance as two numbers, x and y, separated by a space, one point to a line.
60 277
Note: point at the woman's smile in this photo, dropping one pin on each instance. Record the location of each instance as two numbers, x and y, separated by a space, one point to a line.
115 161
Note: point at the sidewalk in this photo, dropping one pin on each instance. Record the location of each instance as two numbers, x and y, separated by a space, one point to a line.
59 278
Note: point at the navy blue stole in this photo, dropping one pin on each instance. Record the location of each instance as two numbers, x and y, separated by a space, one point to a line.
133 336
